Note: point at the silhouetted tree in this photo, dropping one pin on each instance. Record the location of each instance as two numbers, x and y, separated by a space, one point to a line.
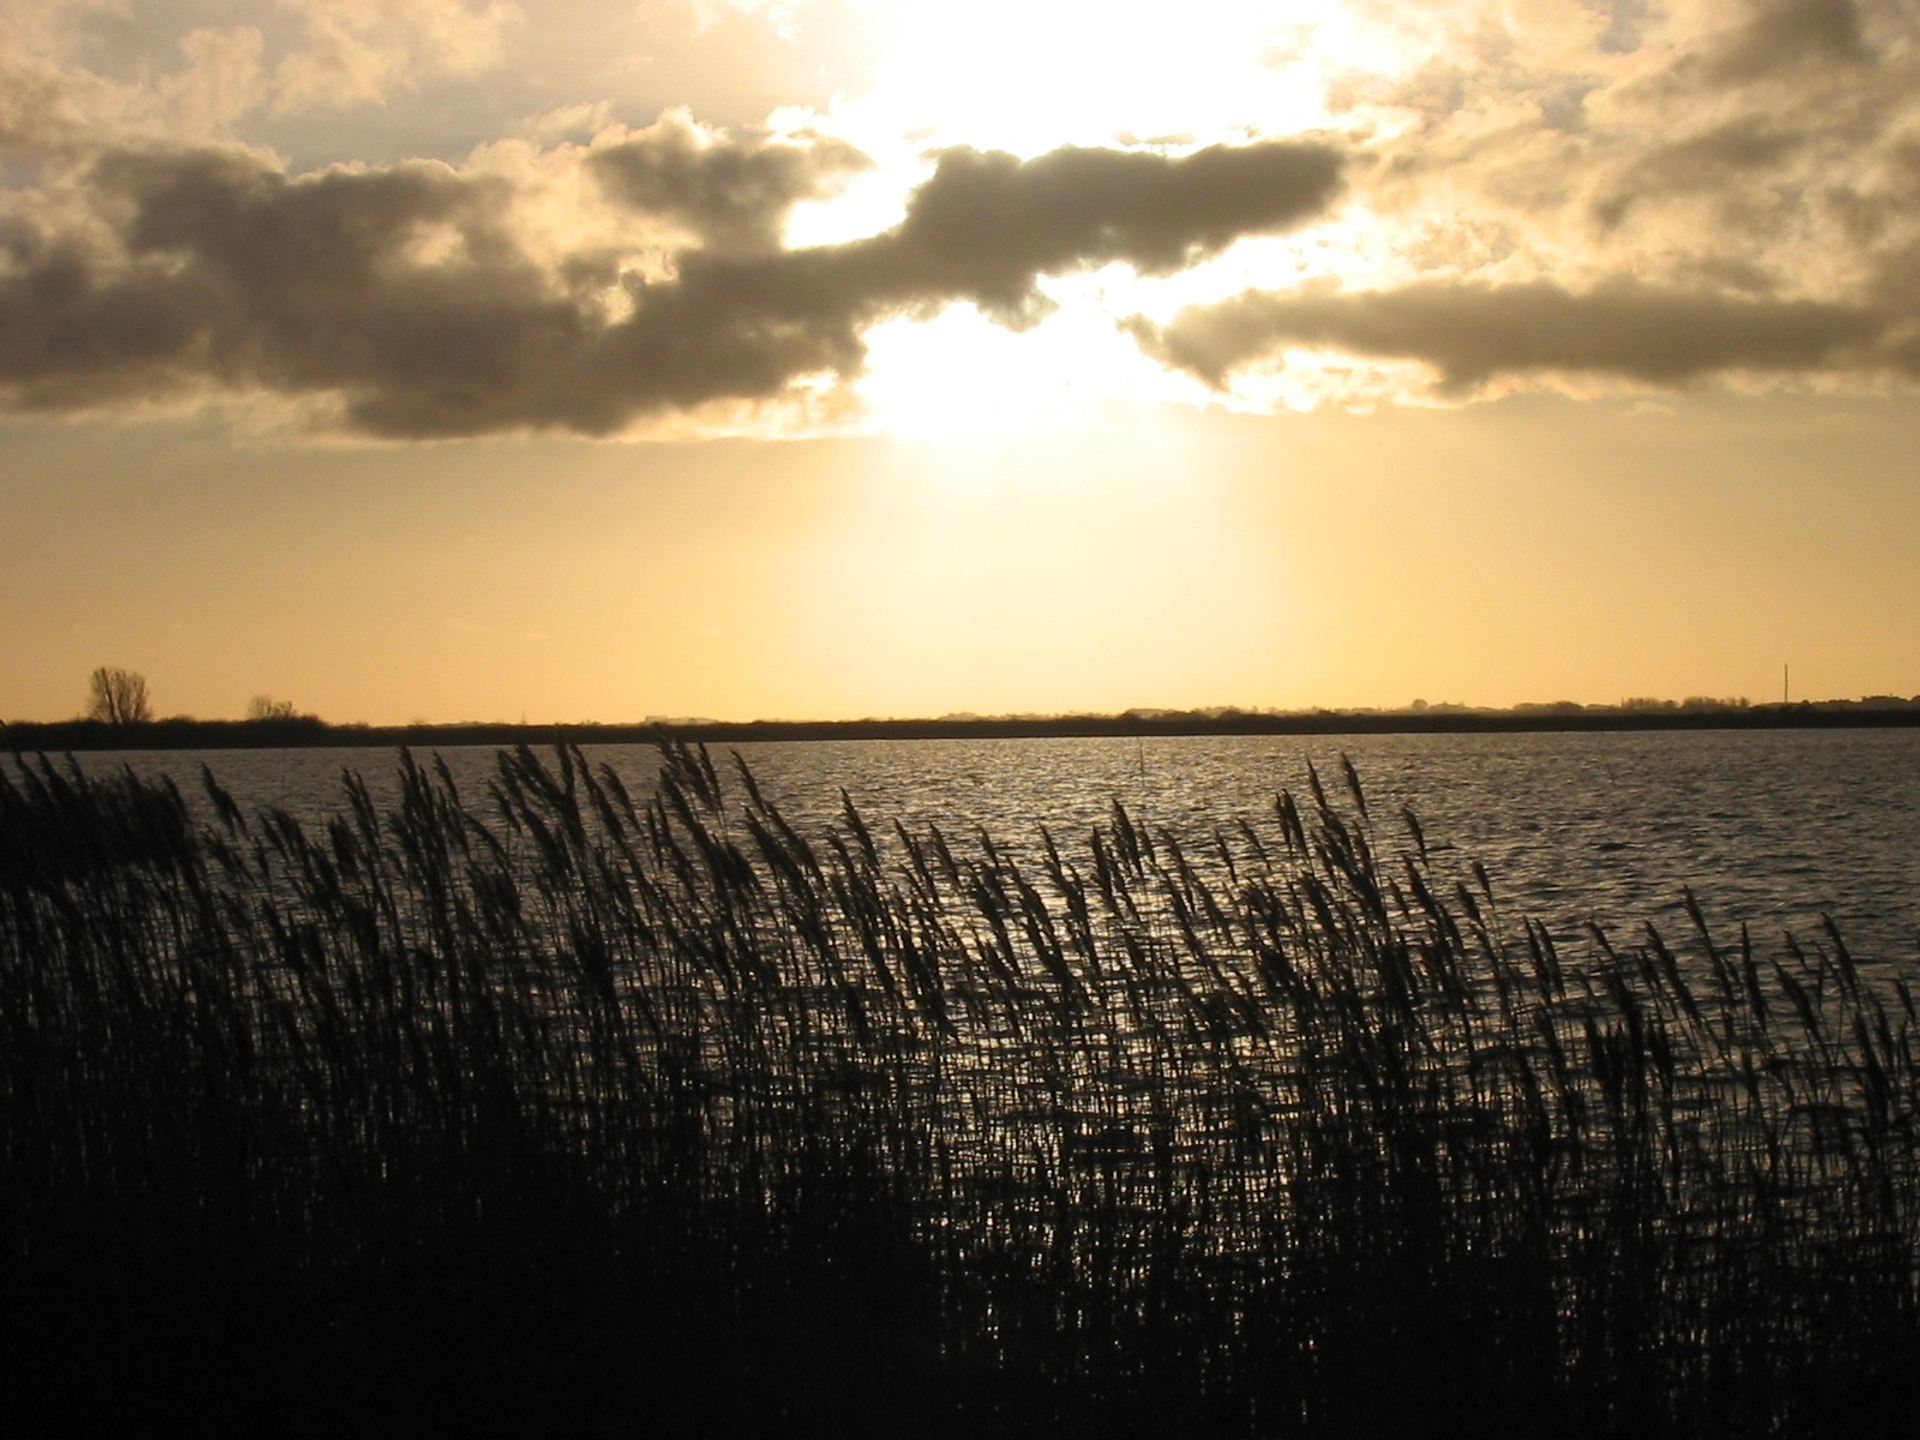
265 707
118 697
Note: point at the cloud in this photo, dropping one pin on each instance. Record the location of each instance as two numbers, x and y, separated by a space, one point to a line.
53 110
232 276
37 112
730 191
403 295
579 118
1650 191
1736 145
359 51
1471 333
1626 20
1791 35
986 226
1714 163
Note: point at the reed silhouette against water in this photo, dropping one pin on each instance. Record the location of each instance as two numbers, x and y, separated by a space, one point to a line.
562 1106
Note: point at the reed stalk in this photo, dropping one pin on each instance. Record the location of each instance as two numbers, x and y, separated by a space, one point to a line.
567 1105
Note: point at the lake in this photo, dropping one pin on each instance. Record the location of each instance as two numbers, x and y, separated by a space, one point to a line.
1770 828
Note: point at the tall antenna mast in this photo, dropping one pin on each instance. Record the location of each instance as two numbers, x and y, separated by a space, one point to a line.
1785 672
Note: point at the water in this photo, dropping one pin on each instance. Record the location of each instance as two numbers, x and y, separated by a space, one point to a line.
1772 829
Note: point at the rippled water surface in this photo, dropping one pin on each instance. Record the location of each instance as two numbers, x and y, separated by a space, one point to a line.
1768 828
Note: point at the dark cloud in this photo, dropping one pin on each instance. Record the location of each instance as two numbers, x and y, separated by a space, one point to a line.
71 339
1565 107
1625 19
984 228
377 285
402 292
34 110
1790 35
1471 333
987 226
1714 163
731 192
1884 200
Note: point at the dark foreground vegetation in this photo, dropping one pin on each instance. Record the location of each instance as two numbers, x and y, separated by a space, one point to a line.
563 1109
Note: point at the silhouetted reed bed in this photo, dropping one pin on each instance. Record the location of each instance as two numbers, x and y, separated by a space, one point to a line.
655 1115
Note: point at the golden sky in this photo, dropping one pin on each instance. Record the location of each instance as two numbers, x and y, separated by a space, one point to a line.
459 359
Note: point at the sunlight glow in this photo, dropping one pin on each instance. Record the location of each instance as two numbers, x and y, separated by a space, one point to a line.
1029 76
1026 75
961 375
1022 77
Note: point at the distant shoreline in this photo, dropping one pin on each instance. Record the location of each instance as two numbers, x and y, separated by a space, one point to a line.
45 737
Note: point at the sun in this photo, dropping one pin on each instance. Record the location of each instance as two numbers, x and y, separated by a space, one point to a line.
1028 75
959 375
1031 76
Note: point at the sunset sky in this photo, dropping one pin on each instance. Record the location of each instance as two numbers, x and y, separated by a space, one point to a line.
464 359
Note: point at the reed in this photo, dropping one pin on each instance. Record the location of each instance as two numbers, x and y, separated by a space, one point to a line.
563 1105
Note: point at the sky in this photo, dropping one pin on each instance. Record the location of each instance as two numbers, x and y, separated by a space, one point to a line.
441 360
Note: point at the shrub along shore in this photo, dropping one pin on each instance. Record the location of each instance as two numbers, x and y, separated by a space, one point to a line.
23 737
650 1114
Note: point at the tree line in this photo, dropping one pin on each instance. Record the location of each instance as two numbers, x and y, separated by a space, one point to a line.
116 696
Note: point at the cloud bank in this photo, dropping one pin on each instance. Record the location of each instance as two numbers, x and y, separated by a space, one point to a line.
1471 333
405 292
1504 192
1653 197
